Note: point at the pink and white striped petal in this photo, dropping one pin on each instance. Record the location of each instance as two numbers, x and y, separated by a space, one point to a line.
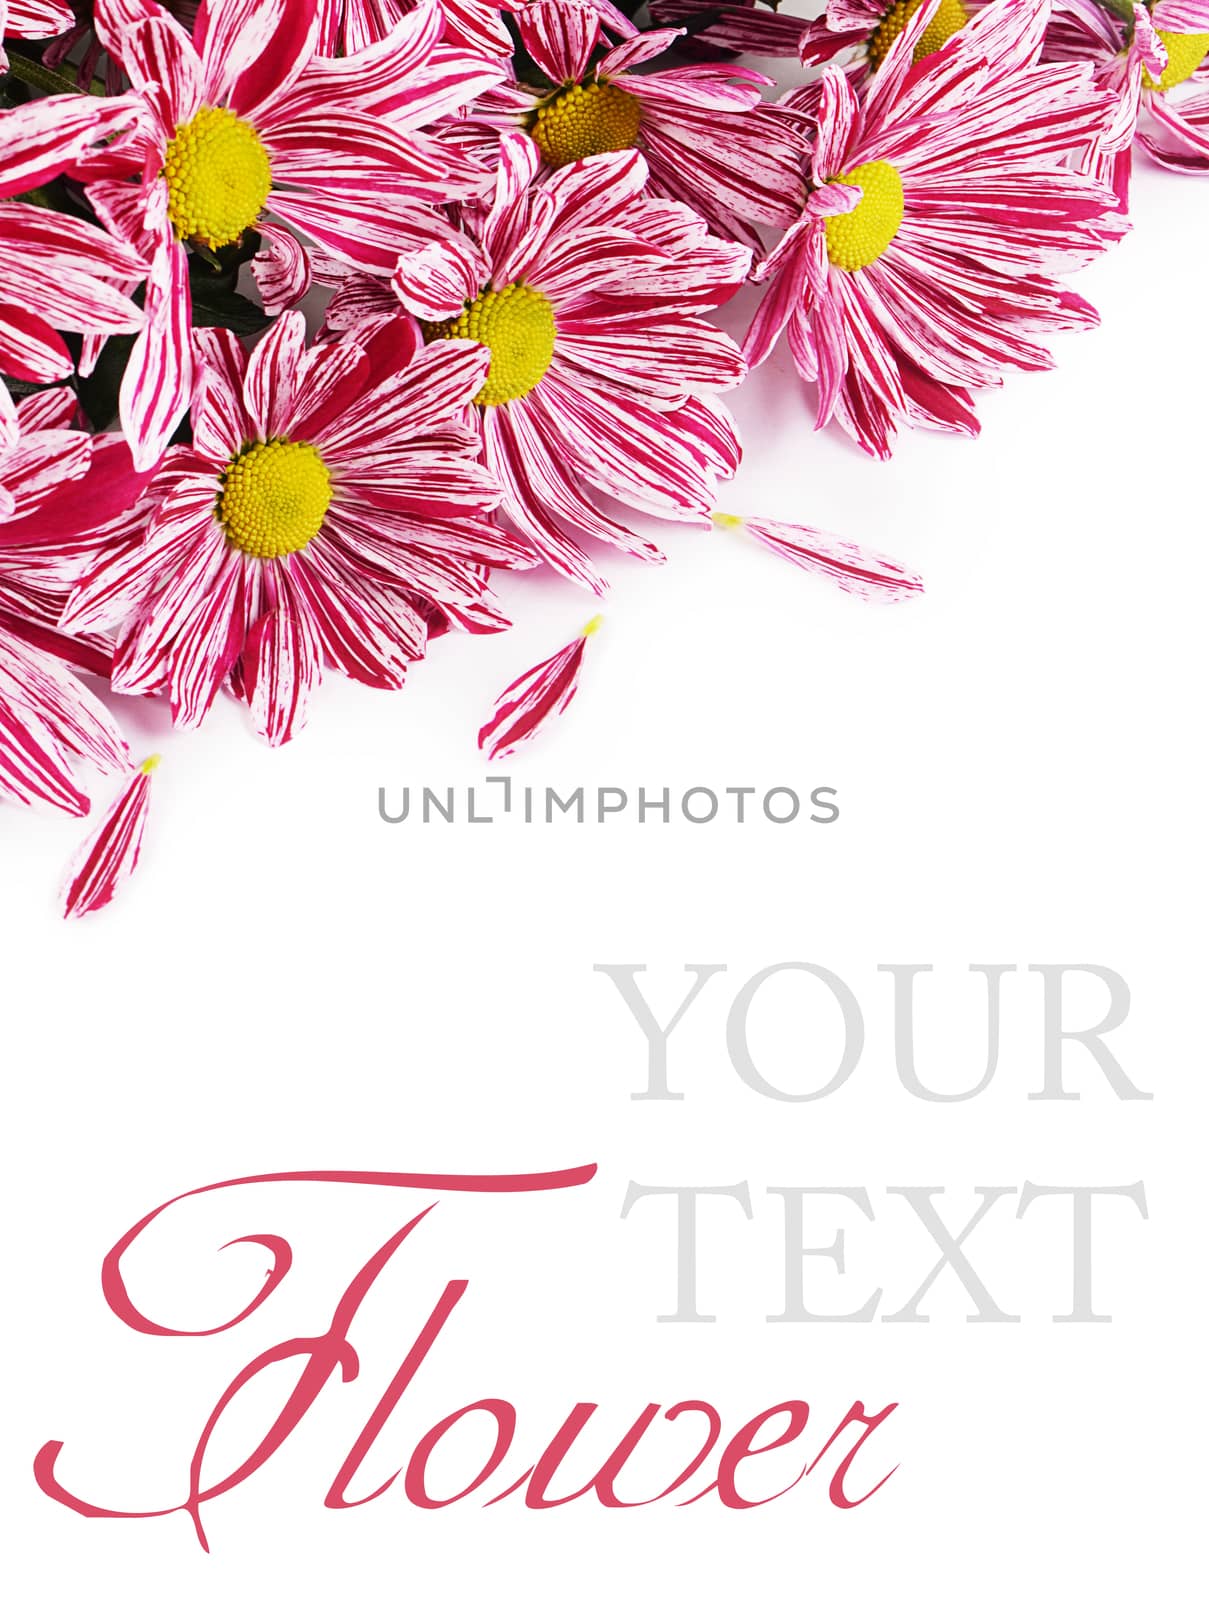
158 382
633 52
530 701
559 36
281 268
42 138
109 856
48 720
437 280
34 19
851 567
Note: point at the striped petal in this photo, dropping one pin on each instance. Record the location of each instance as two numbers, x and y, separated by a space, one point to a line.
560 36
222 423
530 701
337 150
527 478
35 19
642 456
271 382
42 138
434 387
30 349
48 719
281 268
158 382
110 855
52 408
850 566
162 65
281 664
634 52
363 231
436 281
254 50
555 486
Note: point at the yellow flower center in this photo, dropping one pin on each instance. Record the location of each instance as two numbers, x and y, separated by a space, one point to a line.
517 326
218 177
951 18
274 498
585 120
1185 52
857 238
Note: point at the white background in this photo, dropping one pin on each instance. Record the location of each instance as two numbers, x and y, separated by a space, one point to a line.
288 983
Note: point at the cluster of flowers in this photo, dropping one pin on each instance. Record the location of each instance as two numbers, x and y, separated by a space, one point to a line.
521 217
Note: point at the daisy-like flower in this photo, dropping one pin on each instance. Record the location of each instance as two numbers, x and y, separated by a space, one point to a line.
329 501
1156 59
588 298
708 138
941 202
49 722
240 124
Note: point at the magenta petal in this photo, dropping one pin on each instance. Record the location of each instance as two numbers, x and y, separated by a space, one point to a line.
525 706
850 566
559 37
111 854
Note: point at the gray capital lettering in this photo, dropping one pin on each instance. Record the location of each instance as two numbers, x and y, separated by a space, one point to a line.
904 1031
796 1251
920 1201
686 1239
736 1032
1081 1198
1089 1038
656 1037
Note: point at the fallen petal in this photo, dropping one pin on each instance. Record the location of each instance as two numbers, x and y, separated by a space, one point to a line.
109 857
851 567
545 691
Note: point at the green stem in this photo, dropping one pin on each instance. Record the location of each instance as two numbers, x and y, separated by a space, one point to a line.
39 77
1121 9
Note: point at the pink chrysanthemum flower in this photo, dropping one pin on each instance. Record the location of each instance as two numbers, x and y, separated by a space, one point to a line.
708 138
919 269
328 500
242 123
49 722
588 299
1157 62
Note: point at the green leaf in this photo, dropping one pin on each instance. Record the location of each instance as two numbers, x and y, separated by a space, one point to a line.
98 392
215 305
